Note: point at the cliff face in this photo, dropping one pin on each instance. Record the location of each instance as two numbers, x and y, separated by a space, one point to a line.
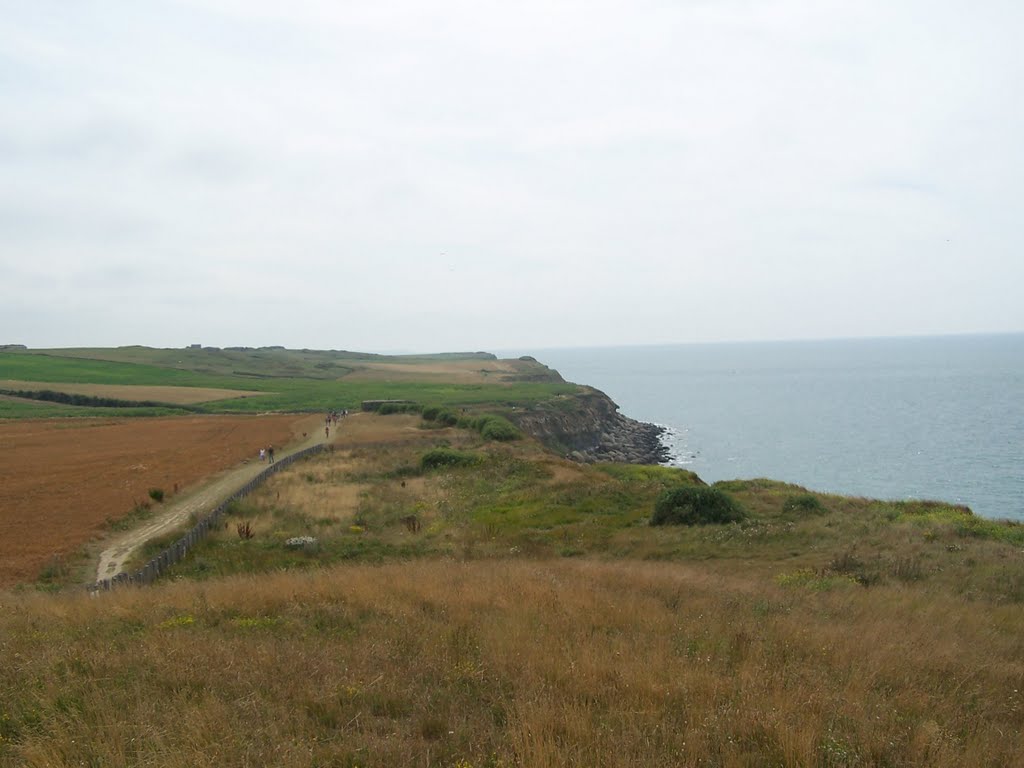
588 427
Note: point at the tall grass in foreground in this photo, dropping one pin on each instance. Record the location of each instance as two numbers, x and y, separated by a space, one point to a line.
513 663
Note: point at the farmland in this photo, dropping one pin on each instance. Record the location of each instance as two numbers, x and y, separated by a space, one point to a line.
463 602
307 383
64 482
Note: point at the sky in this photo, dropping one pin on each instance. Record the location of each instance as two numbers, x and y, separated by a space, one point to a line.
480 175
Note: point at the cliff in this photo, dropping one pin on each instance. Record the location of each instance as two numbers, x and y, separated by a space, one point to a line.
588 427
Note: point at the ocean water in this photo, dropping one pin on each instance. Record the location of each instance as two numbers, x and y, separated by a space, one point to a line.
908 418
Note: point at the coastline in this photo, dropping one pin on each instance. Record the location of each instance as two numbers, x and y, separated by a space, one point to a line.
587 427
908 418
628 441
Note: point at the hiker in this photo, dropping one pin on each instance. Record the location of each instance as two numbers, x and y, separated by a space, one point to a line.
263 454
270 453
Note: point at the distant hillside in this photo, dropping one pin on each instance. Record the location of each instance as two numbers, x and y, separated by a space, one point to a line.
271 378
258 361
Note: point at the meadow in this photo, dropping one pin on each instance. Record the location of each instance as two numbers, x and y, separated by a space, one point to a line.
532 616
512 662
518 500
421 595
281 384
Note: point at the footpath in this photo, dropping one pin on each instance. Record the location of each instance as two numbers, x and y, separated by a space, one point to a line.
176 512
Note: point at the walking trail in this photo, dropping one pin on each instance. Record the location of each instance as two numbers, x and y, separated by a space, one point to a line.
198 502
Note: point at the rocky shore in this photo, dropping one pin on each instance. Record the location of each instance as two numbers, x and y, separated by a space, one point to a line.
588 427
628 441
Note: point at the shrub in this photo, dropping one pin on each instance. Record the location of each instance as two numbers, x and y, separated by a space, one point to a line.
492 427
447 457
440 415
695 505
156 494
804 502
386 409
498 428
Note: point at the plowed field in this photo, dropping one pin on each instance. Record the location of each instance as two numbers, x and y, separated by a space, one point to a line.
62 479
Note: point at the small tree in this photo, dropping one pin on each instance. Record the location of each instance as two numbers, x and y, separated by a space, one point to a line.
696 505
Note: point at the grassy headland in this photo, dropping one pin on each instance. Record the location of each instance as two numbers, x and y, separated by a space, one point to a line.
459 601
285 380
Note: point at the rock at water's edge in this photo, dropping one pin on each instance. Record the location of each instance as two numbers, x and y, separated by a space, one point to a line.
587 427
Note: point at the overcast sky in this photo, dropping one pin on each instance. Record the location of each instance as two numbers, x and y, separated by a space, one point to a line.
472 175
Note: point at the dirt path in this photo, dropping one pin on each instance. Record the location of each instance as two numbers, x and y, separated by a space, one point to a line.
199 502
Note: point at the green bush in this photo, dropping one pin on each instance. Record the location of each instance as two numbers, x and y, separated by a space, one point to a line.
695 505
804 503
440 415
156 494
446 458
498 428
386 409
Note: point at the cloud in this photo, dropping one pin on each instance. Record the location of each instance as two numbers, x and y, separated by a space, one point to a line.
530 173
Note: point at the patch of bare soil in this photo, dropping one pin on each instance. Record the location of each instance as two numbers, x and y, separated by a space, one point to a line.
61 480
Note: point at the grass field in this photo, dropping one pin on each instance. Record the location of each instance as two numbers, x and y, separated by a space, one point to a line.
517 499
465 603
282 386
534 617
512 663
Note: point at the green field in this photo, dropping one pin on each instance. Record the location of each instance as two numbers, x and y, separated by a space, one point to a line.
291 381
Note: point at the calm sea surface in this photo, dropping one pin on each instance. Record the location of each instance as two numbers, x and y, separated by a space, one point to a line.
922 418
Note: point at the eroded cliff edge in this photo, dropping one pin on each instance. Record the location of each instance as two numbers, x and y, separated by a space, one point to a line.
588 427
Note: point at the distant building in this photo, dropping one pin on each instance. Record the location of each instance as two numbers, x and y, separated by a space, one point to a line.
195 346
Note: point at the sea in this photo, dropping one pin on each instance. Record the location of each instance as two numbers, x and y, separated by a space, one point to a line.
894 418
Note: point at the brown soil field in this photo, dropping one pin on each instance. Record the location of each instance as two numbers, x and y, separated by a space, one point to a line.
61 480
137 393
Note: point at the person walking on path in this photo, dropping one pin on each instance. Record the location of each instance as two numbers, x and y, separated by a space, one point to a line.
263 454
270 454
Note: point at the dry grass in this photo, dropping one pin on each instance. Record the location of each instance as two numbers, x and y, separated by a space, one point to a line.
525 663
455 372
742 645
133 392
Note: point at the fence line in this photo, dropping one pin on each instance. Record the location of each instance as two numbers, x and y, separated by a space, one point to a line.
159 565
